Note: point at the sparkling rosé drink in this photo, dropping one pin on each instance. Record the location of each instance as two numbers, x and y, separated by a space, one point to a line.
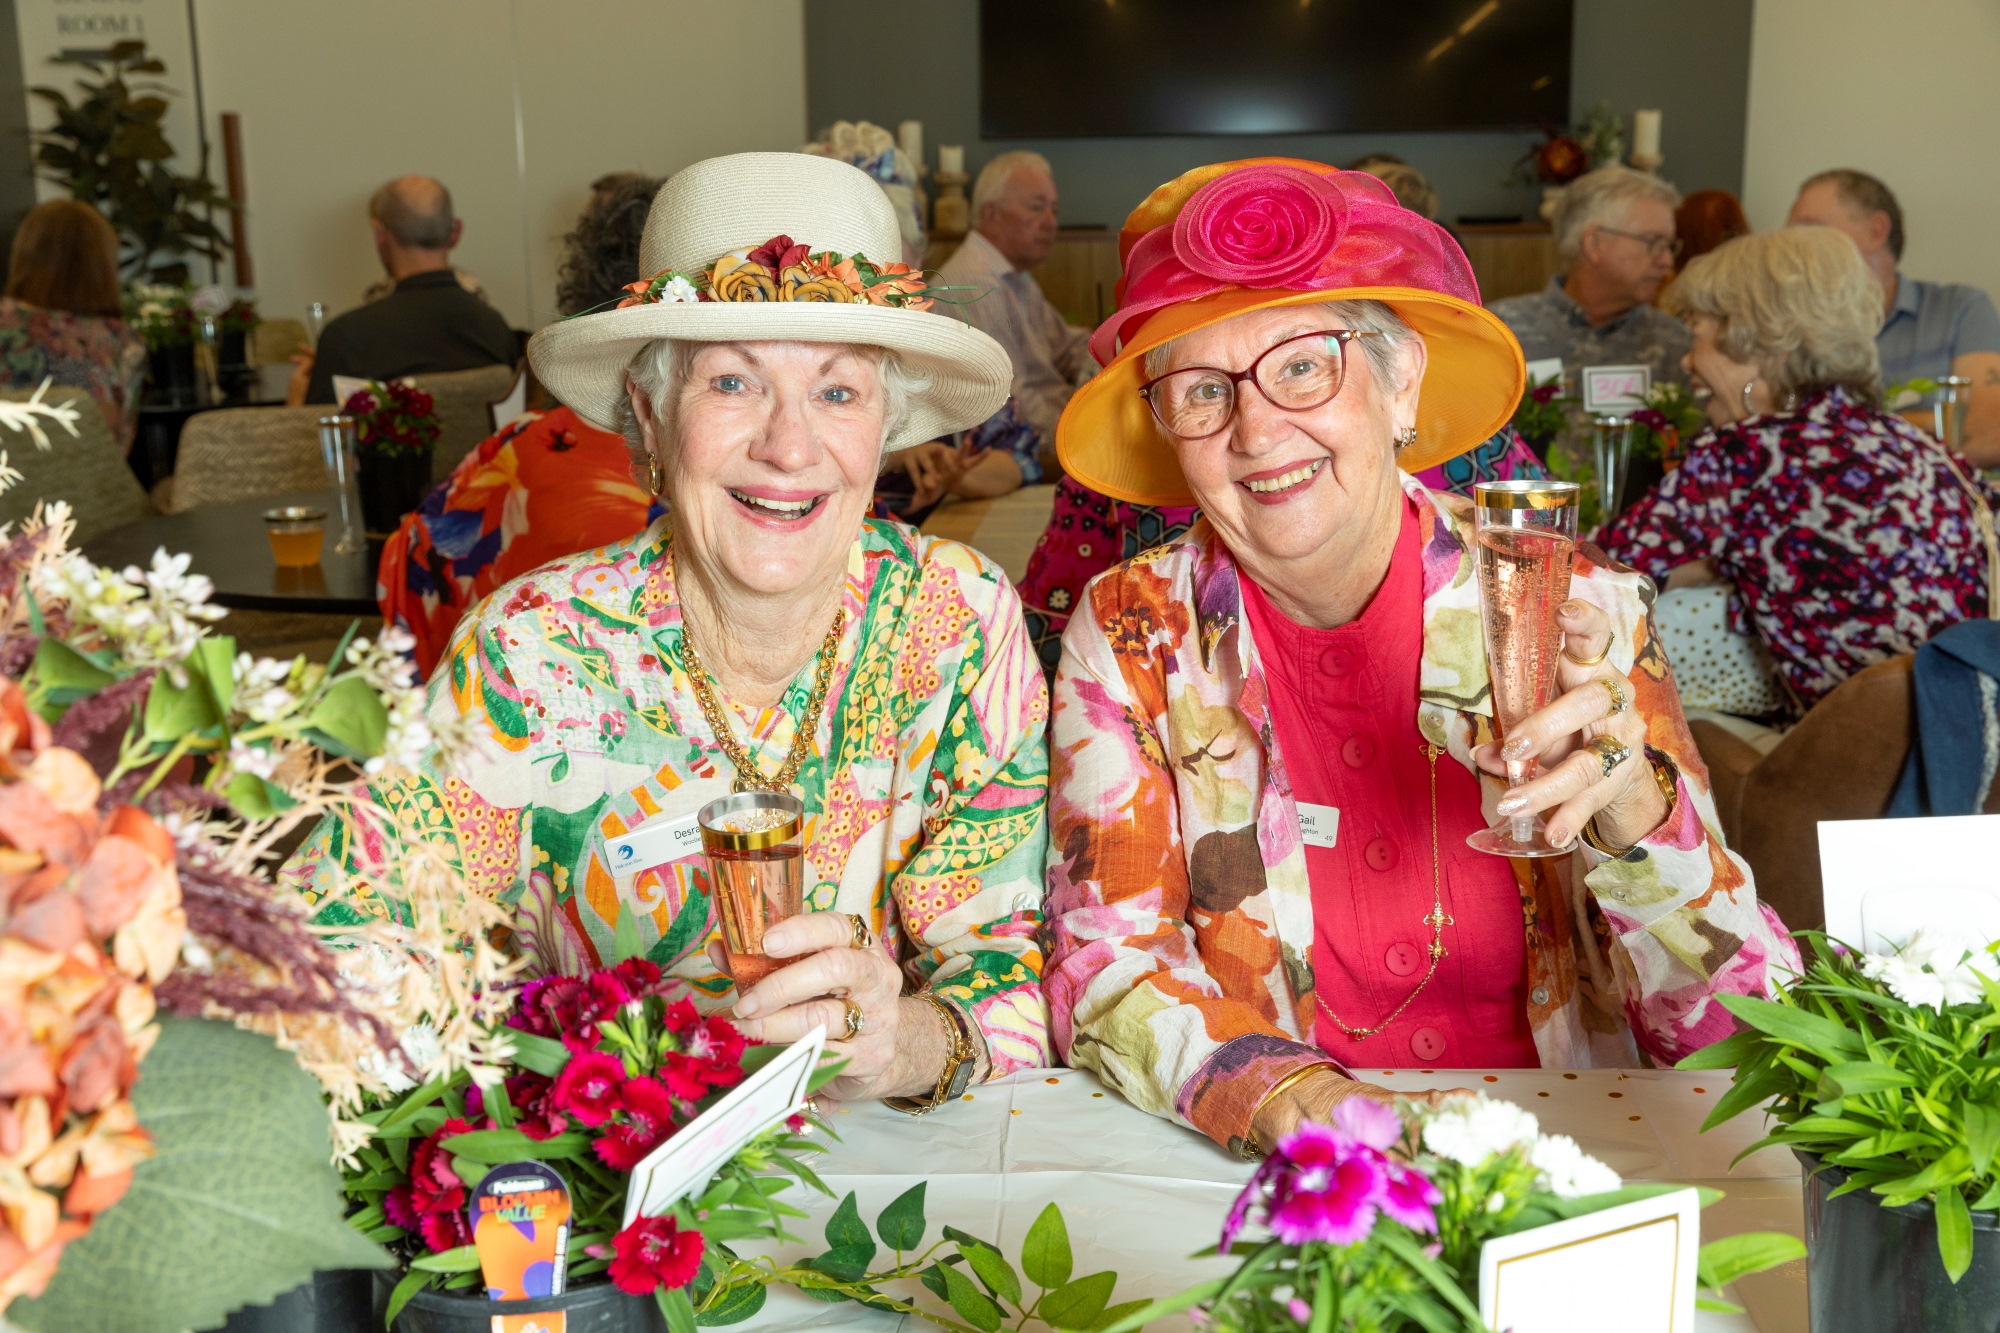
1526 545
756 865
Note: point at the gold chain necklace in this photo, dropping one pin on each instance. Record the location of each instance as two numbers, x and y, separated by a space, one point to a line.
1437 921
749 770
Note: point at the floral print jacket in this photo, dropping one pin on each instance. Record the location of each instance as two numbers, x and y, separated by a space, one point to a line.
925 796
1179 909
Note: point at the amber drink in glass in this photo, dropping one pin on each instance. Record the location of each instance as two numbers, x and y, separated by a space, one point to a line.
1527 540
756 864
296 535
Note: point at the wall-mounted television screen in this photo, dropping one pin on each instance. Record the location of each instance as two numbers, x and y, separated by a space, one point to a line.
1086 68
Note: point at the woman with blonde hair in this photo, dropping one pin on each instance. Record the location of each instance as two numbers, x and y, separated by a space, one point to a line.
1850 535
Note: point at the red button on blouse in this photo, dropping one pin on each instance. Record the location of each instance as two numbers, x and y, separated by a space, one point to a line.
1350 693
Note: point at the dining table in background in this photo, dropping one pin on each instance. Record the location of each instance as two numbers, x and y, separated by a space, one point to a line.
1140 1194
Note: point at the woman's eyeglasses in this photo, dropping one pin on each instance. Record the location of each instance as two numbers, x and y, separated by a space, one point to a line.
1296 375
1656 245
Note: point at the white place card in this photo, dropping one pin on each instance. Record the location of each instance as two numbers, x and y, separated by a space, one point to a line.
1882 879
1547 370
687 1160
1616 388
1637 1259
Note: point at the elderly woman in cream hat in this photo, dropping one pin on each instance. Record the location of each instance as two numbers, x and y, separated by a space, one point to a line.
1272 737
769 635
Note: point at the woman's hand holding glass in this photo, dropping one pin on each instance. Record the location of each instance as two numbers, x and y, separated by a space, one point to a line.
1594 701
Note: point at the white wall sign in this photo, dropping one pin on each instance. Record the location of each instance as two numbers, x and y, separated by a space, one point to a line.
1883 879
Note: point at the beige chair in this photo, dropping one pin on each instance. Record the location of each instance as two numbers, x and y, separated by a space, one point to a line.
242 452
464 416
273 341
87 469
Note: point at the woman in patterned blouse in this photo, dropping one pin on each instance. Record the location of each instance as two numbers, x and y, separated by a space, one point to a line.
60 317
1850 535
1271 738
634 683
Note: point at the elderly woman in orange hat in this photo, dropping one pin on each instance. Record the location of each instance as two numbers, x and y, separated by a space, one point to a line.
1271 737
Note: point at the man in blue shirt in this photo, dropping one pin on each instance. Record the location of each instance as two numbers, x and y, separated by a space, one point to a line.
1929 329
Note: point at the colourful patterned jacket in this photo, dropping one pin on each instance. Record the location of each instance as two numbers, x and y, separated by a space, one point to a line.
929 818
1187 983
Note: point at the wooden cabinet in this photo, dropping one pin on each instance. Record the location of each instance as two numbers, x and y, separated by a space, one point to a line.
1079 276
1509 258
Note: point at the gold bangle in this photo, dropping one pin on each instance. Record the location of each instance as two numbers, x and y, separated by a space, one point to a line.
959 1063
1667 778
1278 1089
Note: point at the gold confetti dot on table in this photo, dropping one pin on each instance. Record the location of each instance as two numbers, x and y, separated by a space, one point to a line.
1097 1094
1633 1117
1541 1094
1052 1080
1614 1094
1427 1071
1492 1078
966 1098
1569 1076
1701 1089
1015 1111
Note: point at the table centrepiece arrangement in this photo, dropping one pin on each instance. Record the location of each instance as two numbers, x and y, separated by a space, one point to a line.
397 427
1882 1072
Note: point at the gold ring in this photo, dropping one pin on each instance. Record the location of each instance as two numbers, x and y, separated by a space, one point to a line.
863 938
1602 653
1610 752
1620 701
857 1020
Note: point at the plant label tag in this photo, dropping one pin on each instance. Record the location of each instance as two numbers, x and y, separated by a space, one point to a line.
520 1225
1885 879
1616 388
1319 825
685 1162
1637 1259
654 843
548 1321
1548 370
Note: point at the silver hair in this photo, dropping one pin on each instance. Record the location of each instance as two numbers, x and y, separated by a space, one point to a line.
1385 354
993 177
414 216
1599 199
661 368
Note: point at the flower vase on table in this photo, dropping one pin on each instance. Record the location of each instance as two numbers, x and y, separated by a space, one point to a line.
396 429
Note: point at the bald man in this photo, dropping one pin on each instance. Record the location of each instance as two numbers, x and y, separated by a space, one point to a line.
429 323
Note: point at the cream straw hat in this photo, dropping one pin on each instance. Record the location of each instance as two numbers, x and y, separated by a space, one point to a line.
731 205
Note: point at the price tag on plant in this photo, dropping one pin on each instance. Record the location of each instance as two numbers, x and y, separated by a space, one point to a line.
520 1225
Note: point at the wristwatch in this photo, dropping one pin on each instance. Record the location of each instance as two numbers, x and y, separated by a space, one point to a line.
959 1063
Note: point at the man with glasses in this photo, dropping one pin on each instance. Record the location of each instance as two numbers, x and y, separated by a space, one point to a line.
1615 237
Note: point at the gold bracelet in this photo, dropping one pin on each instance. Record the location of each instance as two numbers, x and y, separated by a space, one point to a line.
1251 1149
959 1063
1667 778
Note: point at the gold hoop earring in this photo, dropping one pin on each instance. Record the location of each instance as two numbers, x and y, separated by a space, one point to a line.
656 478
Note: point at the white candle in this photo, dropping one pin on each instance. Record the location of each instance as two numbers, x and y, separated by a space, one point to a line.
1645 134
910 138
951 158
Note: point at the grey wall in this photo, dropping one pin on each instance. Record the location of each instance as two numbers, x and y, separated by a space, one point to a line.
17 172
1690 58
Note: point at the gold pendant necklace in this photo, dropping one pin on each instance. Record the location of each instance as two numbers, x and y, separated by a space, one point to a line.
1437 921
749 770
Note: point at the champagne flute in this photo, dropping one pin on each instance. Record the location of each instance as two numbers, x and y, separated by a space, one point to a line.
315 321
1611 439
1526 543
337 442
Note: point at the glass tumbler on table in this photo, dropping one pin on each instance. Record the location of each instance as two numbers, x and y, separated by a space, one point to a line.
338 441
757 866
296 535
1527 541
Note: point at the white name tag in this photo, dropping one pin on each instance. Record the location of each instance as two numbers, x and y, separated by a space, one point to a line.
653 844
1319 825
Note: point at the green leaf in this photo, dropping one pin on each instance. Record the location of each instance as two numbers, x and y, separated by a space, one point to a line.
736 1305
412 1283
974 1306
174 711
845 1263
1750 1088
1045 1253
676 1308
1954 1228
1134 1319
901 1225
238 1204
547 1056
464 1259
1793 1026
1723 1261
1982 1134
845 1227
1725 1054
1077 1305
994 1270
1117 1314
1856 1078
65 673
494 1146
349 720
256 798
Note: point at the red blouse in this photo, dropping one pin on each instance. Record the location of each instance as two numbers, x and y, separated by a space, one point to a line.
1344 714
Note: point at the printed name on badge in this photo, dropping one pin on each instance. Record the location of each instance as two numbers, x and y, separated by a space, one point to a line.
653 844
1319 825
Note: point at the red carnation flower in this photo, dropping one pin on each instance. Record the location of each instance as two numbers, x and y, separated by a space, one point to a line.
639 976
445 1231
644 1121
711 1050
652 1253
533 1096
1545 393
588 1087
434 1186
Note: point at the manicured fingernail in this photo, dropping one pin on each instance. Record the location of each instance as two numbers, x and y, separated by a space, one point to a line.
1512 805
747 1006
1571 610
1515 749
1558 836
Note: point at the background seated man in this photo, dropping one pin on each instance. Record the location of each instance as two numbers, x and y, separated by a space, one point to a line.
1929 329
430 323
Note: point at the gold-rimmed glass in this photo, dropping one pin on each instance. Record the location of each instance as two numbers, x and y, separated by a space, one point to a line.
757 869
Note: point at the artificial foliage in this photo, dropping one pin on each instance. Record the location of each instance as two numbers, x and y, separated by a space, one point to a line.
1886 1066
238 1203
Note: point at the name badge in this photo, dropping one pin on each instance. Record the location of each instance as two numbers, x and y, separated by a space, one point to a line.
653 844
1319 825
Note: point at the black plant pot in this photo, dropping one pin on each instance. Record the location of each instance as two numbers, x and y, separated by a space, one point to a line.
171 371
341 1301
391 484
596 1308
1871 1269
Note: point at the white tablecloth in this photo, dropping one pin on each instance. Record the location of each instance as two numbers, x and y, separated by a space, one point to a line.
1140 1194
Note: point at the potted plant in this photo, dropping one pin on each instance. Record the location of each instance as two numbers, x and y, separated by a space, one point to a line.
1376 1221
1882 1072
163 316
397 427
234 327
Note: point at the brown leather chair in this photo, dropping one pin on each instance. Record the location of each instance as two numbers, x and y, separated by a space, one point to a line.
1840 762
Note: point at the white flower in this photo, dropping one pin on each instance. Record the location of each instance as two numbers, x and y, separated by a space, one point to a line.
9 475
253 759
678 288
1495 1201
1471 1129
209 300
420 1044
1568 1170
1937 966
260 690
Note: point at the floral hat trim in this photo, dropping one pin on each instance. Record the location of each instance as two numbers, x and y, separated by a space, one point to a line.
784 270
